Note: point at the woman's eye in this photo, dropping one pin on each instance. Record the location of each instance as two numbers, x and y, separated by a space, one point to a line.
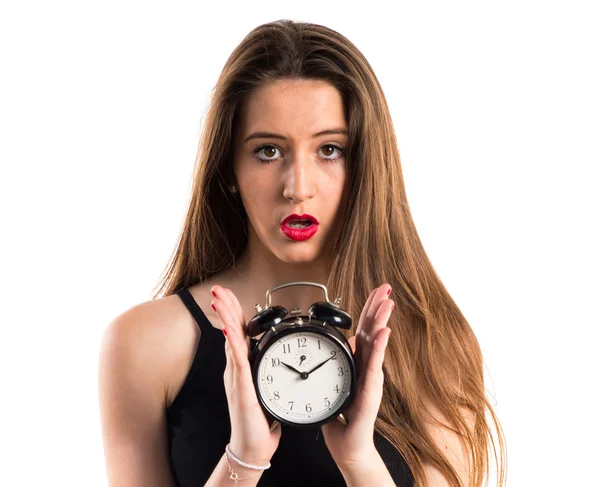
334 148
269 151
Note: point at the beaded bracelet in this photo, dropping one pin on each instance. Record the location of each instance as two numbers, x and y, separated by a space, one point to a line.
234 476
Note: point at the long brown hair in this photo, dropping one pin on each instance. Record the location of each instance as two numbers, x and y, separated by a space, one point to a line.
433 353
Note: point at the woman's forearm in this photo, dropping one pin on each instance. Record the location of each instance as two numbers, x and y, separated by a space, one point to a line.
220 475
371 471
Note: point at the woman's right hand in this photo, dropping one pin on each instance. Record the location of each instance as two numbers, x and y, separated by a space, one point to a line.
251 438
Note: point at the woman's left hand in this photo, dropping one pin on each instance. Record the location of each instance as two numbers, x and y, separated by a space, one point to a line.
352 444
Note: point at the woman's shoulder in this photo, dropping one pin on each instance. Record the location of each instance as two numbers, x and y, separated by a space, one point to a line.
159 338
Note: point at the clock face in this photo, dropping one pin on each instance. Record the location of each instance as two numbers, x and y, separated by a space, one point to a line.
304 377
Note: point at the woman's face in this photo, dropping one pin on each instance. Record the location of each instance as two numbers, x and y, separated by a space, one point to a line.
292 170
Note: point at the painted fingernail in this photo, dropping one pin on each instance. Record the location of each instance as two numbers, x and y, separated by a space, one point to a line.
224 332
213 293
389 291
213 306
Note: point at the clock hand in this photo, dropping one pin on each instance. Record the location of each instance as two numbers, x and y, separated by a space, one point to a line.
291 368
303 375
320 365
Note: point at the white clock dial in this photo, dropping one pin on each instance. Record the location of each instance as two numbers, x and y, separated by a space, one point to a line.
304 377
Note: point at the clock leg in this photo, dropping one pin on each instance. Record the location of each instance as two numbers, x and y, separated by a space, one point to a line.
342 419
273 425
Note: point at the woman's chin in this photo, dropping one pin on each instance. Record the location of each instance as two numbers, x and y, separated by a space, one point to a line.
296 255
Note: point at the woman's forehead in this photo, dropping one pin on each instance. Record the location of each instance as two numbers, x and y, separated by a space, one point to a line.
293 108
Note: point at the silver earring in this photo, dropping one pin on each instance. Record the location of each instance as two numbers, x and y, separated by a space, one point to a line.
233 188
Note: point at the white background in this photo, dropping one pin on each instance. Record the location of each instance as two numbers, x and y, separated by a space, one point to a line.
496 108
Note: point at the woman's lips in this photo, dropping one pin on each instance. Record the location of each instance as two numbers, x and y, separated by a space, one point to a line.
299 234
296 217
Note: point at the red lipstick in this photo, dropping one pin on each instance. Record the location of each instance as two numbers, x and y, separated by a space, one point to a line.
299 227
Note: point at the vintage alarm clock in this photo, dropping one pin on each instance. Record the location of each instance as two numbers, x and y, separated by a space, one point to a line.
302 367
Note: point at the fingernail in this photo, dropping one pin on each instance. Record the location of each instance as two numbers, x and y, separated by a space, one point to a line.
213 306
224 332
389 291
213 293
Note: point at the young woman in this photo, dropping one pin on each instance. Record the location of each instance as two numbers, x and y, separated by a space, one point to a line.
298 129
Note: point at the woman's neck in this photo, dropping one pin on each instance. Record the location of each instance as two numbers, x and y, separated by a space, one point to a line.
252 276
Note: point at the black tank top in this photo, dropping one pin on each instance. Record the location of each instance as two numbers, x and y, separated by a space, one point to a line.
198 428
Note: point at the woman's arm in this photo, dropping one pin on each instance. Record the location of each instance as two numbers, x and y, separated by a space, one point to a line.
371 471
449 443
220 475
374 472
132 401
134 368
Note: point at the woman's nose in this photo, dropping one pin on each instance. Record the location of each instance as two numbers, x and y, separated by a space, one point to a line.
300 177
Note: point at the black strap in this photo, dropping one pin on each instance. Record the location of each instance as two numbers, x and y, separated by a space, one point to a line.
190 303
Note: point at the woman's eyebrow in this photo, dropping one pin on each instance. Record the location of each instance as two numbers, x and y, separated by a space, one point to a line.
270 135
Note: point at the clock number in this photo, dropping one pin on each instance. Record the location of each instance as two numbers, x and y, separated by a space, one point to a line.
337 388
286 348
327 402
276 395
308 408
333 355
269 379
340 371
319 344
275 362
302 342
291 403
